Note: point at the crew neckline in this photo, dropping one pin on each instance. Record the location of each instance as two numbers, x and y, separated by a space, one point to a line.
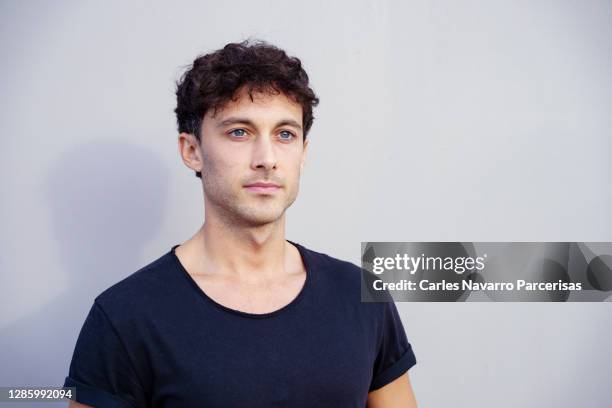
296 300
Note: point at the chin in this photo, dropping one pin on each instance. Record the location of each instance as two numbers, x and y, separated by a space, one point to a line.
259 216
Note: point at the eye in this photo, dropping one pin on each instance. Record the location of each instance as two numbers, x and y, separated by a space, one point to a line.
286 135
238 133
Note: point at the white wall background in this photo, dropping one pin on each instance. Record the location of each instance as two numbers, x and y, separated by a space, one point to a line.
439 120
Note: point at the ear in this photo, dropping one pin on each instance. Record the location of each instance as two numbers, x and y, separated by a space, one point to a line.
304 154
189 149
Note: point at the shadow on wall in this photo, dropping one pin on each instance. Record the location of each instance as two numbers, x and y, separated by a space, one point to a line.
105 201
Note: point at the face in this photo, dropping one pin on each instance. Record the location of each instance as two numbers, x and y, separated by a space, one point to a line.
248 143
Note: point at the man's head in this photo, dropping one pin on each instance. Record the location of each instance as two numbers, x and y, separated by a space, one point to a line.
243 114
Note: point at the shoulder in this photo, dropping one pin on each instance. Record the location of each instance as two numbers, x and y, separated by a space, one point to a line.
338 270
141 290
332 267
342 277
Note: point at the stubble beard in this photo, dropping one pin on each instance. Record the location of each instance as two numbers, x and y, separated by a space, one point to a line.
241 208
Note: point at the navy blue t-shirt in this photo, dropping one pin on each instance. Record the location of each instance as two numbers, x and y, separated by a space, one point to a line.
155 339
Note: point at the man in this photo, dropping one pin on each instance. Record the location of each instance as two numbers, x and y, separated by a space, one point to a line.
238 316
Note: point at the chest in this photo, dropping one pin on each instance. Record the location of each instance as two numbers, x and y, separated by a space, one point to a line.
257 297
324 360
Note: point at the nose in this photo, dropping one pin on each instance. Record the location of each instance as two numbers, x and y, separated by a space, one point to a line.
264 156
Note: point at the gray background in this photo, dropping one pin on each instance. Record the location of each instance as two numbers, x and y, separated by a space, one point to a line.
439 120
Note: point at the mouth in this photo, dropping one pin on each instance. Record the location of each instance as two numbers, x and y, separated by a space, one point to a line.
261 187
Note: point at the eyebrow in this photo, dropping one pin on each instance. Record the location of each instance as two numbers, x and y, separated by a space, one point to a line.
234 120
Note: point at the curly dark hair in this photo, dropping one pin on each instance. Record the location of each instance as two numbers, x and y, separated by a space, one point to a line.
214 79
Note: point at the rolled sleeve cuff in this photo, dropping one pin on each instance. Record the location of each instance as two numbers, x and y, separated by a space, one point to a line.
96 397
398 368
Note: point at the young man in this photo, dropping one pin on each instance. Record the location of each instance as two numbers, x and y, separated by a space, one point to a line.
238 316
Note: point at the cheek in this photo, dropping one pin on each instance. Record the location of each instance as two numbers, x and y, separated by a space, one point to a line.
223 177
297 169
294 160
216 162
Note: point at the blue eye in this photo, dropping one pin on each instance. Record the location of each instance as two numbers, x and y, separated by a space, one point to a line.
290 135
233 132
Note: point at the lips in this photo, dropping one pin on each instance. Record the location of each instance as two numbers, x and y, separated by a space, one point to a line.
262 187
262 184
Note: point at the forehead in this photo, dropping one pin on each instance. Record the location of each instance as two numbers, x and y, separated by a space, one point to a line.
266 104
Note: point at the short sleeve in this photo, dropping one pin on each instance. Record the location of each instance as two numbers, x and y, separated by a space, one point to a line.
101 369
395 355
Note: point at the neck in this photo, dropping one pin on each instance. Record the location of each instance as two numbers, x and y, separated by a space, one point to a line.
247 253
